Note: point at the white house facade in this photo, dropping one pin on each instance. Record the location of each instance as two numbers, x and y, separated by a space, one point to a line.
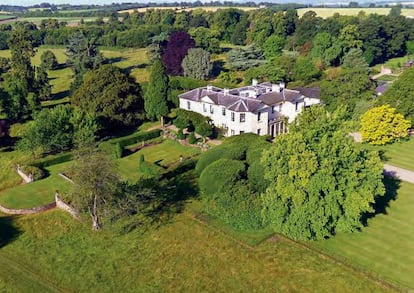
263 108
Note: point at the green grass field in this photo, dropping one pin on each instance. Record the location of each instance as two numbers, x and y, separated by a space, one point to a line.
8 161
37 193
385 245
328 12
163 154
399 154
182 255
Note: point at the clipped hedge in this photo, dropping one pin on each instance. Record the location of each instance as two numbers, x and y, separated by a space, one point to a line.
232 152
135 138
46 162
221 174
35 171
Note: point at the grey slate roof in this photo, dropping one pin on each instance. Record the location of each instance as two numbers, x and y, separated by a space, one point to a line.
310 92
265 96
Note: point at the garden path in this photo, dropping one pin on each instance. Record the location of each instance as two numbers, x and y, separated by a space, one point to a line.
399 173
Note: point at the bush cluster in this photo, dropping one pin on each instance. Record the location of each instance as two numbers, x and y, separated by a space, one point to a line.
232 179
35 171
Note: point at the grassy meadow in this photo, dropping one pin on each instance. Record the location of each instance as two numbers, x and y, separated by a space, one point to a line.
328 12
385 245
181 255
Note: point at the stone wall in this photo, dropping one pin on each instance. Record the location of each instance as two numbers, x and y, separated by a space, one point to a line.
64 206
35 210
26 178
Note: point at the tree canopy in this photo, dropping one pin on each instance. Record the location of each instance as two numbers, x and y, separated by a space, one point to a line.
113 97
400 95
381 125
175 50
197 64
321 182
157 92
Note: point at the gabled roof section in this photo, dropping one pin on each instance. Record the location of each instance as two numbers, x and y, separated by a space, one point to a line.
198 93
309 92
274 98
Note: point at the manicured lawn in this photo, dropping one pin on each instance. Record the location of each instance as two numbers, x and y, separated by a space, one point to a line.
328 12
179 256
400 154
37 193
163 154
385 246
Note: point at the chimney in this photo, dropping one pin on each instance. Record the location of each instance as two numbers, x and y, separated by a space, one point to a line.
254 82
225 91
209 88
276 88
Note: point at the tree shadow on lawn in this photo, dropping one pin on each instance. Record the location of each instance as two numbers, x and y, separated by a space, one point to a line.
9 231
382 202
60 95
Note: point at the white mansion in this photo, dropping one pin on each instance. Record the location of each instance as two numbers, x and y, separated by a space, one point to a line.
263 108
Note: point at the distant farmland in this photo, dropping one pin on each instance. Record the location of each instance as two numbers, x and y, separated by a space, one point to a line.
327 12
179 8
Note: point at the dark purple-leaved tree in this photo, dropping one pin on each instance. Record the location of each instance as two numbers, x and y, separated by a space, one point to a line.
175 50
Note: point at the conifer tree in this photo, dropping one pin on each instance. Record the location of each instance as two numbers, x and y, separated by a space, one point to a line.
157 92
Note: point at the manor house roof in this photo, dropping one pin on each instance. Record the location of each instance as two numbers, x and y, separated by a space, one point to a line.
250 98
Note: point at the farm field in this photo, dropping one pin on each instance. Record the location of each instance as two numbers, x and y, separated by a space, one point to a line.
399 154
179 8
385 245
327 12
181 255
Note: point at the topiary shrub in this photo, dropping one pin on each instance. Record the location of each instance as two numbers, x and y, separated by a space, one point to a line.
35 171
180 134
191 138
118 151
146 168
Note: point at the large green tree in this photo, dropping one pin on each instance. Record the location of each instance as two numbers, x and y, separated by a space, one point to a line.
401 95
156 95
381 125
96 182
83 55
50 131
321 182
197 64
113 97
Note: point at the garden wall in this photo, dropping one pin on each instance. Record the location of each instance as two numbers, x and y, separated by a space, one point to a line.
28 211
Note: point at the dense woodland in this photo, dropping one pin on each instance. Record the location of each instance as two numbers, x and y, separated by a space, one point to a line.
308 184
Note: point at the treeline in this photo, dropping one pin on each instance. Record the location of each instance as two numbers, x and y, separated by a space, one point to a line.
379 37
